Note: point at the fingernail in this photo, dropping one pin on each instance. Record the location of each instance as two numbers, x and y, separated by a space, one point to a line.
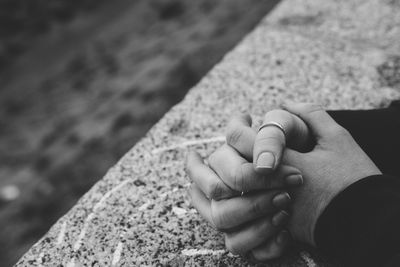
281 200
266 160
283 237
280 218
294 180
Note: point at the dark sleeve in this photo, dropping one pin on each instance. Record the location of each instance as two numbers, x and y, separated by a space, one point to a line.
361 225
369 128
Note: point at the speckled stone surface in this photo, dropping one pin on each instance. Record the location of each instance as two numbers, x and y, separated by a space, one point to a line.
343 54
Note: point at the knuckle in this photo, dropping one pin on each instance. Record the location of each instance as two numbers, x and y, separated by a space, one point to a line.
337 132
341 131
189 170
216 190
217 225
234 135
285 171
246 181
313 107
213 158
256 207
218 155
269 140
238 176
228 245
217 218
231 246
276 113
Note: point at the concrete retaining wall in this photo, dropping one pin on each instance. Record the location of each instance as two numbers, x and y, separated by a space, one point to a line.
343 54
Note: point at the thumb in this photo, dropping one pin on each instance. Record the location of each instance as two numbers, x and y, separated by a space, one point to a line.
279 127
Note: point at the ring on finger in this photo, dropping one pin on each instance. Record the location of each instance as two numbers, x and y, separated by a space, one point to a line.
273 124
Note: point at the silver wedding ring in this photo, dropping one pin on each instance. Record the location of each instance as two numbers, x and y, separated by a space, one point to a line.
274 124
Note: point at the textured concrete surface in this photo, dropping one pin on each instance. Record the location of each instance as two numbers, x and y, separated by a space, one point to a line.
343 54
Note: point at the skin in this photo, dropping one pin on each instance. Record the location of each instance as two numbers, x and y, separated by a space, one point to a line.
241 218
334 162
253 223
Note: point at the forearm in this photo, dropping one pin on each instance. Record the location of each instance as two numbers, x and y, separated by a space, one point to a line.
360 225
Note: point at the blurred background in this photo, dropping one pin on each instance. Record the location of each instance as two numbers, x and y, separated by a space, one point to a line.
81 81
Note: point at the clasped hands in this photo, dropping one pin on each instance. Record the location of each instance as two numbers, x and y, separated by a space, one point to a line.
263 189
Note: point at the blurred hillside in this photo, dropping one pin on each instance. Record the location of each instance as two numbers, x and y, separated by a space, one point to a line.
82 81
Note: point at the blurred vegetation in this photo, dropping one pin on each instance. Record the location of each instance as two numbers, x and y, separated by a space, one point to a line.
82 81
21 20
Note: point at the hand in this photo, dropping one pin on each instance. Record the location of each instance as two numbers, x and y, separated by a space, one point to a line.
247 220
335 162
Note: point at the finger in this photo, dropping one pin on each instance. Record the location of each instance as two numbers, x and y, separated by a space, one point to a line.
231 168
285 175
238 174
273 248
201 203
230 213
241 136
206 179
271 140
317 119
254 234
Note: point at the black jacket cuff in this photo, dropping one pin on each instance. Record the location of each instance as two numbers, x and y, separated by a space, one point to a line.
361 225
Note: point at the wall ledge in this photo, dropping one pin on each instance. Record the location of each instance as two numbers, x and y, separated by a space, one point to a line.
139 214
